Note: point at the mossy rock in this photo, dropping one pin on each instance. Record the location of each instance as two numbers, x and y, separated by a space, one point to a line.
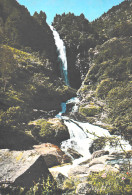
52 130
89 110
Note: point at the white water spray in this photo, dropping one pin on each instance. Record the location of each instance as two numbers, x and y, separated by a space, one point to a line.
62 55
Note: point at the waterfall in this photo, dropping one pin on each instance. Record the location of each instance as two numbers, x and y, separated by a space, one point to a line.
82 134
61 55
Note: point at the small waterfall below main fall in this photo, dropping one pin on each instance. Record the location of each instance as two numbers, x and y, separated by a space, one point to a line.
61 55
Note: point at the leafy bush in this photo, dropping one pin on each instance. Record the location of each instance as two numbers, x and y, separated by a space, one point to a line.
47 186
90 110
103 88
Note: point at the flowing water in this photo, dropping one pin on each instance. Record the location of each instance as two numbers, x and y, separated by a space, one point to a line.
61 55
82 134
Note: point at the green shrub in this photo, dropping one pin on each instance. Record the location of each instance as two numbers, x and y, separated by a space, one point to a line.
46 187
89 110
103 88
84 89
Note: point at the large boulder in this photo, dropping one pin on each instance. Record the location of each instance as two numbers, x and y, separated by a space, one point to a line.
52 130
52 154
21 168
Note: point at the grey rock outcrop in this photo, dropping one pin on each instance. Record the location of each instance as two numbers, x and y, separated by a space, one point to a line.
21 168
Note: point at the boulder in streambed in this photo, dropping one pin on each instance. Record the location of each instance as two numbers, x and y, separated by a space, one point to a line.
52 154
99 153
93 165
74 153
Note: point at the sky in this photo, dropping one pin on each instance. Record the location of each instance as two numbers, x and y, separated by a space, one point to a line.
92 9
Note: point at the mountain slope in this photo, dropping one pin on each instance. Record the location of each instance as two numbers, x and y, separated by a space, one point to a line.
20 30
29 84
106 91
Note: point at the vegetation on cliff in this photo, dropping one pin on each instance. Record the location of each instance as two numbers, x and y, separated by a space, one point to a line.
20 30
27 86
109 79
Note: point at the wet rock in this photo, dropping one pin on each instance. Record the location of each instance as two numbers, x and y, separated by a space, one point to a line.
61 131
53 155
69 107
98 144
129 154
99 153
74 153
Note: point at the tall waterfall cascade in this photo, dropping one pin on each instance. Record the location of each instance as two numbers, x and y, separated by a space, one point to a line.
82 134
61 55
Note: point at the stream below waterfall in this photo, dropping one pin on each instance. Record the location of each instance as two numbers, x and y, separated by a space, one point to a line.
82 134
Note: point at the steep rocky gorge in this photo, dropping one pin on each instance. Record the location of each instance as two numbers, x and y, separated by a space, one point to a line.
99 54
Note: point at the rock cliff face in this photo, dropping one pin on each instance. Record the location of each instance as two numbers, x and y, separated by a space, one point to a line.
79 36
